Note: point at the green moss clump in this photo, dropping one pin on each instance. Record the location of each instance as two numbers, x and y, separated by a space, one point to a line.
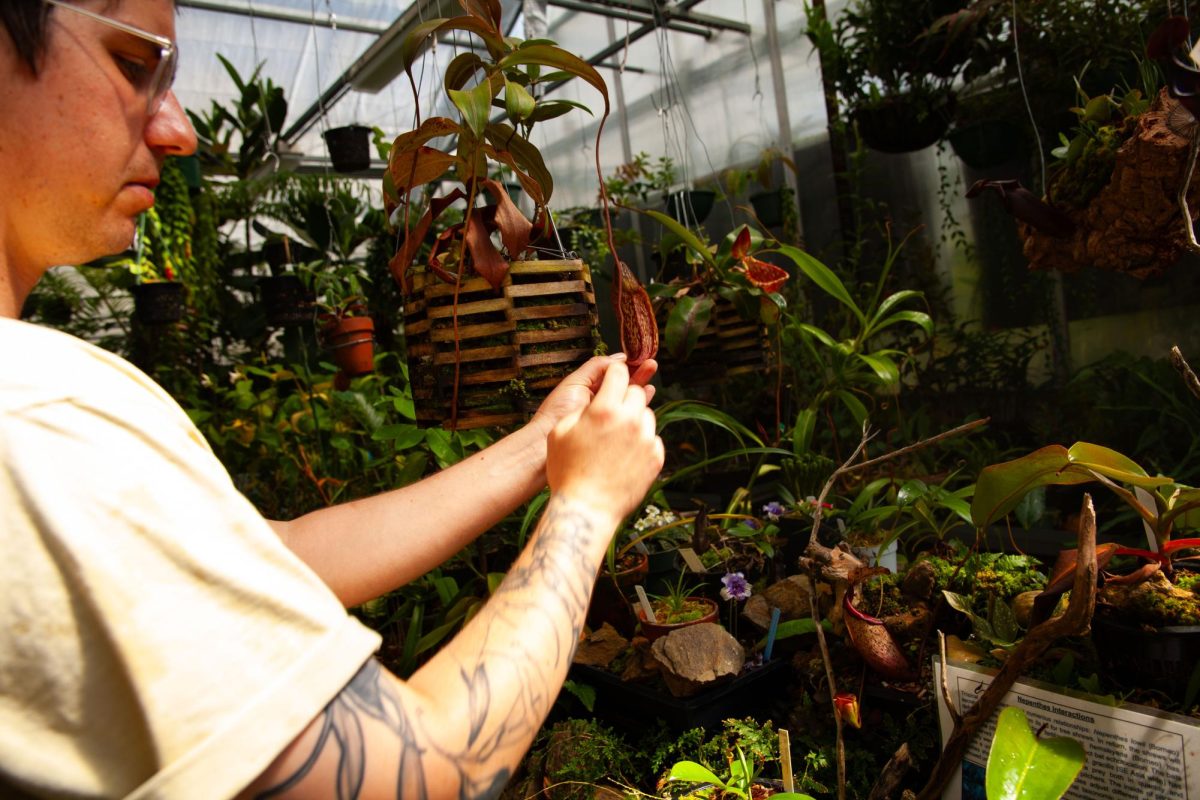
881 596
1159 608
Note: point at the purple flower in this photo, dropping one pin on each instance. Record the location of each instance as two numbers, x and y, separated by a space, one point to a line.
752 524
774 510
736 586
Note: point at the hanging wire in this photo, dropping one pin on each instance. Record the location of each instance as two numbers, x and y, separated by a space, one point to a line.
1025 96
271 154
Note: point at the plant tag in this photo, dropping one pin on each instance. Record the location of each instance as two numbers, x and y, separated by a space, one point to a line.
644 601
785 761
841 525
692 560
771 632
638 544
1147 499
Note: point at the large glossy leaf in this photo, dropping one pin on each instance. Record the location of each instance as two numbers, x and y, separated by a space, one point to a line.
416 42
918 318
1023 767
551 56
475 105
685 323
1001 486
896 298
820 335
802 431
696 411
513 149
884 368
853 405
823 277
514 228
550 109
461 69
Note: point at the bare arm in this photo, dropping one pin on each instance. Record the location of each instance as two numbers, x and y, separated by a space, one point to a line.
367 547
460 725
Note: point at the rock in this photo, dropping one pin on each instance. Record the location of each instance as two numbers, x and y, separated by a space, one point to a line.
600 648
789 595
695 657
910 623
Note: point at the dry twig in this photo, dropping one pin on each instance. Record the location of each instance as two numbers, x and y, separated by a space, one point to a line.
1189 378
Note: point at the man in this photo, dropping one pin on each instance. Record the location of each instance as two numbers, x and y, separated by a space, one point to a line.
159 638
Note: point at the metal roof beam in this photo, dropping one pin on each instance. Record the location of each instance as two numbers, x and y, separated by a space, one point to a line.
281 14
631 15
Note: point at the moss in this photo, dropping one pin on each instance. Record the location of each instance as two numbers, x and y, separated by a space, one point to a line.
881 597
1188 580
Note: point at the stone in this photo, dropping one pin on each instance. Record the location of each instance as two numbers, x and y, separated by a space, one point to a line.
789 595
601 647
697 657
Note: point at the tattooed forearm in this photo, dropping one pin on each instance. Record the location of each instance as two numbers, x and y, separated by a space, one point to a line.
369 697
478 704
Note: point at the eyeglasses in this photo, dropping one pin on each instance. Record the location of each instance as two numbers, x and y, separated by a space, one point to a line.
153 77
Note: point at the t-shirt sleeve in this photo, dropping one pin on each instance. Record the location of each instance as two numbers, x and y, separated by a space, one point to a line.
164 637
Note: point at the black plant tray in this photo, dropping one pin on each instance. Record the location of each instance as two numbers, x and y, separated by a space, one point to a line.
635 705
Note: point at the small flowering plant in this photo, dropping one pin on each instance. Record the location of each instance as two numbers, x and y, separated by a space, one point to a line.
734 586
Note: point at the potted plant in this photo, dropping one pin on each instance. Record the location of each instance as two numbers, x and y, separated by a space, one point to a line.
676 608
479 320
1147 621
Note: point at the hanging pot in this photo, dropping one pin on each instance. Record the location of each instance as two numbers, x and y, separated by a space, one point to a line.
691 206
158 303
351 341
768 206
284 300
901 124
349 147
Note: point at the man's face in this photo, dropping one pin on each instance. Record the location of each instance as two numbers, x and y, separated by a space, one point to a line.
80 151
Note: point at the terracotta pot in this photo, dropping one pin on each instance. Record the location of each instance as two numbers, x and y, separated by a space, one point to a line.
655 630
609 601
352 342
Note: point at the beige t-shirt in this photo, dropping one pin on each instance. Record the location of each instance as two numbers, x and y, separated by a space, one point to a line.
157 640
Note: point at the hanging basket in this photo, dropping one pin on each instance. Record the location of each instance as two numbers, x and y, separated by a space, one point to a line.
902 124
351 343
1134 224
730 345
349 147
691 206
490 358
158 303
284 300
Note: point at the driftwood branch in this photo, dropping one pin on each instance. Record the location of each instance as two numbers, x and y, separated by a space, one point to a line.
1075 621
1189 378
892 775
903 451
951 706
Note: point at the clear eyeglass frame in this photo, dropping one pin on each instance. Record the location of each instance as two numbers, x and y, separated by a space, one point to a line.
163 76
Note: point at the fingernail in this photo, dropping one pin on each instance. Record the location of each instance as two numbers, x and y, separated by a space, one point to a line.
618 356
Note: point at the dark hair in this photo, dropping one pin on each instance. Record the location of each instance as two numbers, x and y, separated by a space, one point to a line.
25 21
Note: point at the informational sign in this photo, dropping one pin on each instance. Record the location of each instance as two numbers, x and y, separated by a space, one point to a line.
1133 752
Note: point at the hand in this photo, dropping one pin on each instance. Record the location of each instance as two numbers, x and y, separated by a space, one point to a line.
607 453
577 389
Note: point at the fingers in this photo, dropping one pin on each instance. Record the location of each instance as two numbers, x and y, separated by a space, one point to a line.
613 389
644 372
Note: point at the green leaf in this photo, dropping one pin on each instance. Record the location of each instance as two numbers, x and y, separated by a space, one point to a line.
518 102
402 437
853 405
696 411
884 368
551 56
550 109
686 323
474 105
820 335
689 239
694 773
823 277
896 298
1004 622
802 431
585 694
918 318
1022 767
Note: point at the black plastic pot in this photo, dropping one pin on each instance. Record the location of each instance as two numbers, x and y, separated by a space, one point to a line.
1149 658
691 206
768 206
159 303
284 301
349 147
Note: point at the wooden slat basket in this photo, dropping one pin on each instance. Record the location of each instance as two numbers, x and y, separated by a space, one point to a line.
514 345
730 345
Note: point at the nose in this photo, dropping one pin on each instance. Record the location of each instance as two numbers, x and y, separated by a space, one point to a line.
169 131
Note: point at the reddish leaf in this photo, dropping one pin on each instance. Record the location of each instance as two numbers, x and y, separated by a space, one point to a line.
485 258
635 317
741 245
1139 575
1063 575
767 277
514 228
407 252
